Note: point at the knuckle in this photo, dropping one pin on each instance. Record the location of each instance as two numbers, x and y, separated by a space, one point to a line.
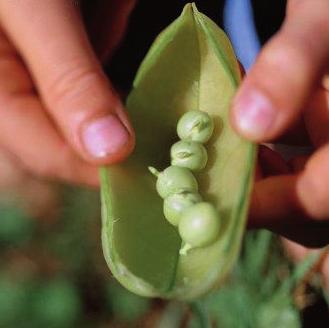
72 83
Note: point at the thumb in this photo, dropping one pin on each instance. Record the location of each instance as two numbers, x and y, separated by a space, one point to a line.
285 74
51 38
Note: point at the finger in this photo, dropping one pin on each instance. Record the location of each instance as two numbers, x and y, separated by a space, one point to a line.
317 117
37 146
298 163
296 134
274 200
285 73
69 78
276 205
313 185
325 82
27 133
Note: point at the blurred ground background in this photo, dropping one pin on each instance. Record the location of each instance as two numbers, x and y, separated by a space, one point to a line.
53 274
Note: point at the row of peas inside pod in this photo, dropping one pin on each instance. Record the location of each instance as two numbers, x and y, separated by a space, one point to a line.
197 220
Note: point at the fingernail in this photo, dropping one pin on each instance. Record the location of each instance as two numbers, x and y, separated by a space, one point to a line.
105 136
253 113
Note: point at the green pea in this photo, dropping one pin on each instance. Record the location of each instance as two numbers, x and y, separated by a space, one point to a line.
199 225
195 125
175 204
174 179
189 154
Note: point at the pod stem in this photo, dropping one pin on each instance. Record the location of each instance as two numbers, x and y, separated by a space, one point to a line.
185 249
154 171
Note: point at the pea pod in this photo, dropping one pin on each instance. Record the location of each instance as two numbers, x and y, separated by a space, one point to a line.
191 65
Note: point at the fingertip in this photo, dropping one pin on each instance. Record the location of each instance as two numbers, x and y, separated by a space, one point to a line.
106 140
253 114
278 86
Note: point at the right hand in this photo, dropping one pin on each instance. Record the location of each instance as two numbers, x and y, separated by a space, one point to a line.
286 95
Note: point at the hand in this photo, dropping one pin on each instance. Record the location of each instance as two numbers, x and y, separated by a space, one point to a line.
60 116
286 95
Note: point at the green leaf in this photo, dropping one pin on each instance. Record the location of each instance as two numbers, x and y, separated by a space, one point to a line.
191 65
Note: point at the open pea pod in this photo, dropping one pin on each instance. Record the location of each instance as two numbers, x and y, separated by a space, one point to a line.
191 65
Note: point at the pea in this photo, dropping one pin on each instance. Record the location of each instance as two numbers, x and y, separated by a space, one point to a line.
175 204
199 225
195 125
174 179
189 154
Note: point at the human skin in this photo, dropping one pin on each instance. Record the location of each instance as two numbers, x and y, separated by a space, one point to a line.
286 96
61 118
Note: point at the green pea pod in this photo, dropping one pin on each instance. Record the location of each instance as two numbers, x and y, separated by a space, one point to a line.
191 65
